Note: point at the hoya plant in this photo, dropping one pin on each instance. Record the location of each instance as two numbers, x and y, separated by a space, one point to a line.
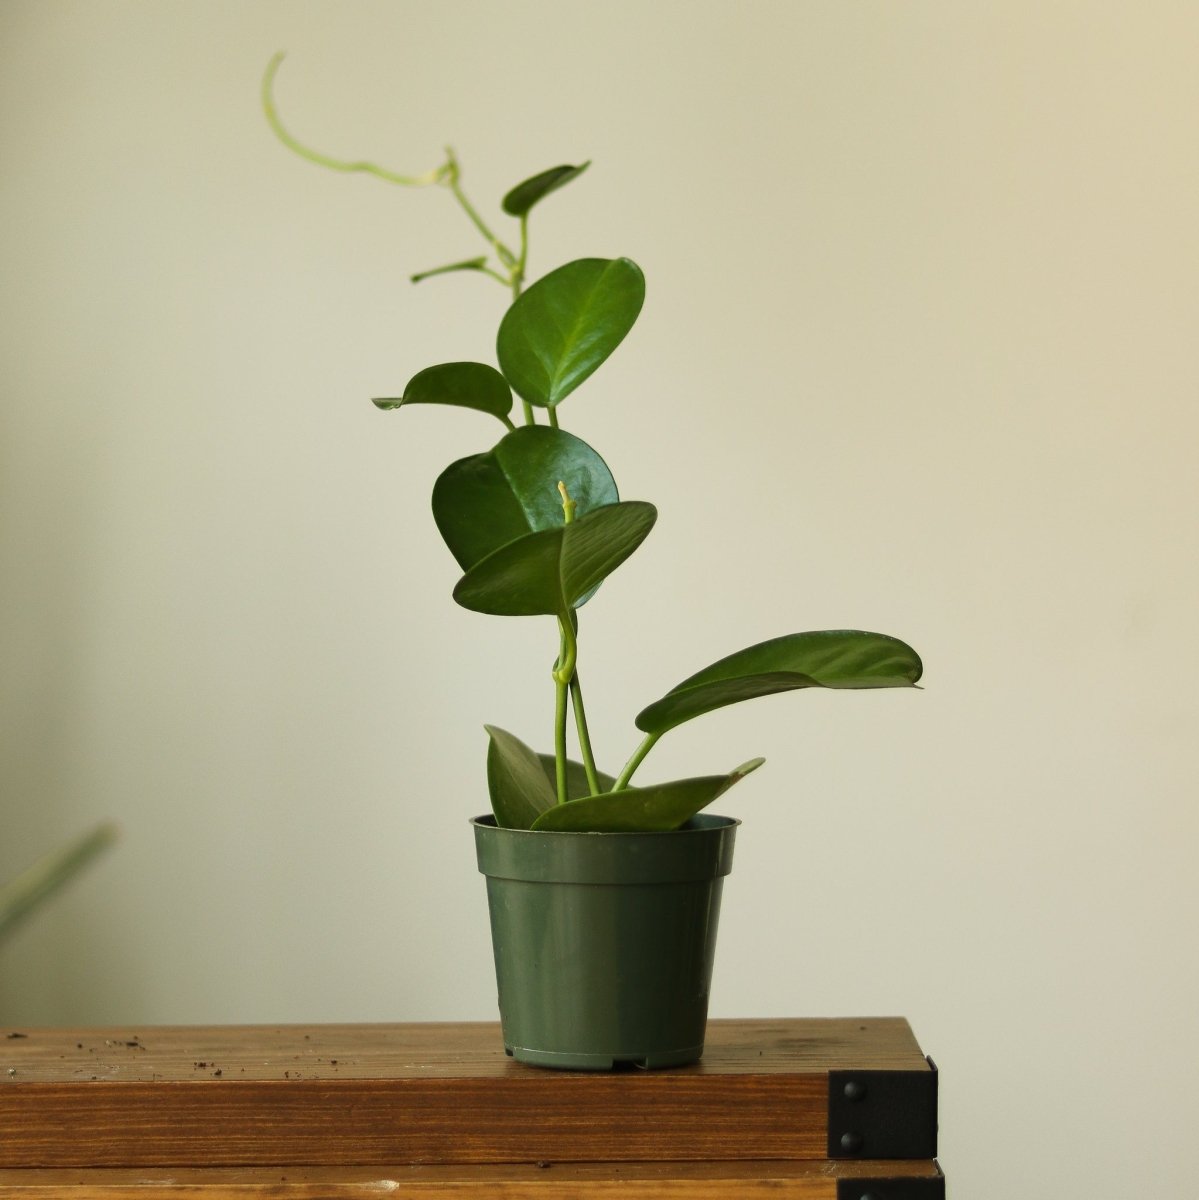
536 523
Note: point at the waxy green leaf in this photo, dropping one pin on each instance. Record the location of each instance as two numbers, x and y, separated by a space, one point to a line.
483 502
461 384
832 658
656 809
560 330
520 791
549 572
522 197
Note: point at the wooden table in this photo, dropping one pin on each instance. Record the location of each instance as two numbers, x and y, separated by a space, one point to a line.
840 1109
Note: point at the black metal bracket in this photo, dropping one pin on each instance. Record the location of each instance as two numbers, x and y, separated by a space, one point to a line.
891 1189
883 1114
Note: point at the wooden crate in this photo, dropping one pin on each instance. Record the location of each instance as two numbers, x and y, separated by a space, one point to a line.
841 1108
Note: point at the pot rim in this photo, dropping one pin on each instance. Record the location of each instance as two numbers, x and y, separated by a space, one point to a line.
488 821
702 852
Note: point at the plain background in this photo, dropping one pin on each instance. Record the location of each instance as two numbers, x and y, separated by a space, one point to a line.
918 355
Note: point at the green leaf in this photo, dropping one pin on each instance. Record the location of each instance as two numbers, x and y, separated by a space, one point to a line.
483 502
20 896
655 809
549 572
559 331
832 658
520 792
461 384
576 777
522 197
467 264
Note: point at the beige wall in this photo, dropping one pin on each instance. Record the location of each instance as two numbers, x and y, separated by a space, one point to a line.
918 355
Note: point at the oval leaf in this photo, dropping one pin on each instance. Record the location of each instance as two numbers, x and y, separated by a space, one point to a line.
831 658
483 502
549 572
657 809
520 792
557 333
522 197
461 384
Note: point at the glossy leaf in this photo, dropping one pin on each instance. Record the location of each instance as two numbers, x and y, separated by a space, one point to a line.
833 658
576 777
656 809
520 792
460 384
483 502
527 193
560 330
549 572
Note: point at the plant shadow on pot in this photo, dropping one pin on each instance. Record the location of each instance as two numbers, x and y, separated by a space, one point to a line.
604 942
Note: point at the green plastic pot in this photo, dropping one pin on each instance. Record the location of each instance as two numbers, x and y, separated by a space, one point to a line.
604 941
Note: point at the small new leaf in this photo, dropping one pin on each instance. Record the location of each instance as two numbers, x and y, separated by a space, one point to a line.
527 193
466 264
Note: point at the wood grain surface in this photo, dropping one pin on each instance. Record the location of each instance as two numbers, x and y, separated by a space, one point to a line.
552 1181
416 1095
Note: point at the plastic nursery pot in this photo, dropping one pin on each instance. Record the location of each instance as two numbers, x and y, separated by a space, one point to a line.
604 941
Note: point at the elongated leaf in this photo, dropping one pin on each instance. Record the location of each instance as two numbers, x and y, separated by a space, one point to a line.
466 264
20 896
483 502
559 331
831 658
549 572
461 384
520 792
522 197
576 777
655 809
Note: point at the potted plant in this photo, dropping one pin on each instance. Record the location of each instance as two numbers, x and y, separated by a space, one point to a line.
604 894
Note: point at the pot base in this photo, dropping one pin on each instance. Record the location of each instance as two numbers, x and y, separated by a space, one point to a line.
567 1061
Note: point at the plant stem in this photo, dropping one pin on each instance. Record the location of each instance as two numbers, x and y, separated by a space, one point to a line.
516 281
518 271
564 669
568 506
336 164
450 179
568 662
553 415
564 673
561 684
447 174
564 679
576 699
646 746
